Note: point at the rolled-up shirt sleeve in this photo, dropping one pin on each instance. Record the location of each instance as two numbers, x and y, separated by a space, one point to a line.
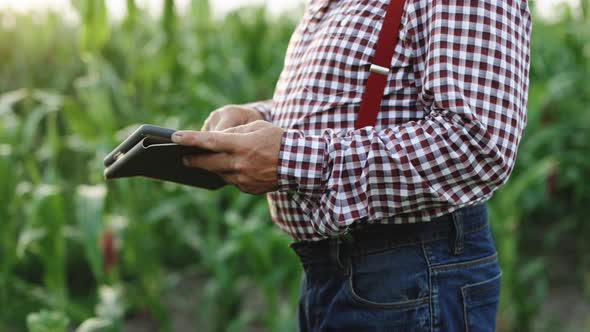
264 107
474 86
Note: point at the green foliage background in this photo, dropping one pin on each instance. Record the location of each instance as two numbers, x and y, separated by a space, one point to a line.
70 92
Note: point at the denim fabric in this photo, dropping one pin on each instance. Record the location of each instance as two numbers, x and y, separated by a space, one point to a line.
440 276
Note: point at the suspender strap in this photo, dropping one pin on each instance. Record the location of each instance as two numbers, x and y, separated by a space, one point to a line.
388 37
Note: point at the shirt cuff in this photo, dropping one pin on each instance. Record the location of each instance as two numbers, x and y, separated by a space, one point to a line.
263 107
302 163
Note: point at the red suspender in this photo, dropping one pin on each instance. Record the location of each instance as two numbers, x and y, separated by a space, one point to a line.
373 94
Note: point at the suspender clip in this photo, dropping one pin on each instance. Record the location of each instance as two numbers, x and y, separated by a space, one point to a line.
379 70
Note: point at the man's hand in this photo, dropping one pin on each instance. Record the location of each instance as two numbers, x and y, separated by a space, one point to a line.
246 156
230 116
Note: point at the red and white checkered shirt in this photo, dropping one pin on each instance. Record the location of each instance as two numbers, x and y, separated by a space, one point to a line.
450 123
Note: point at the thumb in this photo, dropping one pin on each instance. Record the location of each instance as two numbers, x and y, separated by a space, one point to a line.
210 140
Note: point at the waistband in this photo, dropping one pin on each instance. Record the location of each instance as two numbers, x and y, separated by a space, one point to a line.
380 237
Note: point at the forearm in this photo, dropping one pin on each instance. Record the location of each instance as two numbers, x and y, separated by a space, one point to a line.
443 160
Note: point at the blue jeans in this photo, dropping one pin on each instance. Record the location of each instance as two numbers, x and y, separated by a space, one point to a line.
436 276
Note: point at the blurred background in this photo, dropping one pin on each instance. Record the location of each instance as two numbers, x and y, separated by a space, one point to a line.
77 253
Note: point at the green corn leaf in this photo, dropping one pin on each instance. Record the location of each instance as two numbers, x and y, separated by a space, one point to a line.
95 325
94 30
8 99
89 211
47 321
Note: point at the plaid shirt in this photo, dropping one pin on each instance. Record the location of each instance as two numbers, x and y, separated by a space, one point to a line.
449 126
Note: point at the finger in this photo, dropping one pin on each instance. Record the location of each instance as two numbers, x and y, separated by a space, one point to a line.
207 125
213 162
243 183
224 124
247 128
229 177
211 122
236 179
208 140
234 130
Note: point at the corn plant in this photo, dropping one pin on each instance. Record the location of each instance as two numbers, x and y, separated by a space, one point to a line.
77 252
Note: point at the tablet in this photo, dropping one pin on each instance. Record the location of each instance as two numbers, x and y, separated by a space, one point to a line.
149 152
155 132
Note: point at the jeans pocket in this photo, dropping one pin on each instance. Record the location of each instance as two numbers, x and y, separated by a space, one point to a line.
387 291
480 304
395 279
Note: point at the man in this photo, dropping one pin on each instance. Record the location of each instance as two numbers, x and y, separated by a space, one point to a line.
388 219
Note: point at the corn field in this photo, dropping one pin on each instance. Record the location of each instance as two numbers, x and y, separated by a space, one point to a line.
80 254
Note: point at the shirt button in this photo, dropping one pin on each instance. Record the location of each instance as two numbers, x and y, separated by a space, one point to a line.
344 21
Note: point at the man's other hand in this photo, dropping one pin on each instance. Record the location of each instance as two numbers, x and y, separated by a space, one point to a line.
230 116
246 156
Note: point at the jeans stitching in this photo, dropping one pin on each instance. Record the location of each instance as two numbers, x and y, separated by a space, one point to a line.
465 322
459 234
431 304
464 296
306 301
391 305
482 283
483 260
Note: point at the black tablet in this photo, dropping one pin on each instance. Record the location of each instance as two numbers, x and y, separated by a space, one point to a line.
149 152
165 134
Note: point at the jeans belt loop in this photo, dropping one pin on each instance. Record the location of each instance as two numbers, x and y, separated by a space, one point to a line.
457 236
